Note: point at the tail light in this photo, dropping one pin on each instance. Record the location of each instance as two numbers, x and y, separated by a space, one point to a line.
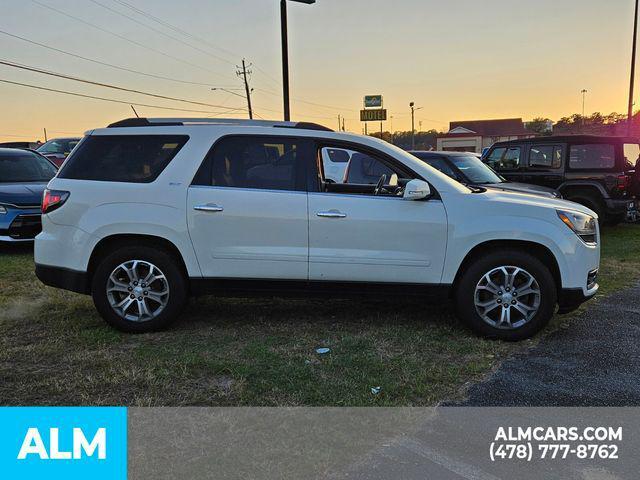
623 182
53 199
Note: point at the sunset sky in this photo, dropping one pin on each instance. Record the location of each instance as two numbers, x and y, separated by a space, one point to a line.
465 59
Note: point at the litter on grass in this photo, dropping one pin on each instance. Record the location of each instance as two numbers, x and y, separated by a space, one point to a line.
322 351
376 390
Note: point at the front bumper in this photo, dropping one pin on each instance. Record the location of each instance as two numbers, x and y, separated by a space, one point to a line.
569 299
20 224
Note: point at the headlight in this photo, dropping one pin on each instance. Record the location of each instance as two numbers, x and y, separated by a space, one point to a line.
3 209
582 224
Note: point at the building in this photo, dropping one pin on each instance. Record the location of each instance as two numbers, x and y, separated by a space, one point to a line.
476 135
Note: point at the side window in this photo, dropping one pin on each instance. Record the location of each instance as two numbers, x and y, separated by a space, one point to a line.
545 156
597 156
511 159
362 173
364 169
269 163
494 158
122 158
632 155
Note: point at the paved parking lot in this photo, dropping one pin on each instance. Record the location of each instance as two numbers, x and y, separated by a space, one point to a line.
595 362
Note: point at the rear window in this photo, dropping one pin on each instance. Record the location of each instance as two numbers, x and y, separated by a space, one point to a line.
25 167
122 158
597 156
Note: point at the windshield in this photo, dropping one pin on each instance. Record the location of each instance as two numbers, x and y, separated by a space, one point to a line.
475 171
62 147
25 167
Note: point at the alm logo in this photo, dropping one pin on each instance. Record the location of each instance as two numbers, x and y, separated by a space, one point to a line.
34 445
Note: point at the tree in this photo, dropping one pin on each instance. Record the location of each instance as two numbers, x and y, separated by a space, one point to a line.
540 125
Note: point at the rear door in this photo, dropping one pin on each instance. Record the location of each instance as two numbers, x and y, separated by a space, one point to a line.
247 208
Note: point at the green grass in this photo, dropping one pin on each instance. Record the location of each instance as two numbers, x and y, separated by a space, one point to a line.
54 349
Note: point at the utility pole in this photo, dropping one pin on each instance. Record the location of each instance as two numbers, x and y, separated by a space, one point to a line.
413 126
633 69
243 73
338 122
45 135
584 94
343 124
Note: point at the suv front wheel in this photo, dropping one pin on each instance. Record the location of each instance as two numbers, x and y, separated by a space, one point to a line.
139 289
509 295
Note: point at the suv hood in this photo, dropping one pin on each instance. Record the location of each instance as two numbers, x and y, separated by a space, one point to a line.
22 194
535 200
523 188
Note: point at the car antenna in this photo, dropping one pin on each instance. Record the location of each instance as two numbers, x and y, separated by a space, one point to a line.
134 111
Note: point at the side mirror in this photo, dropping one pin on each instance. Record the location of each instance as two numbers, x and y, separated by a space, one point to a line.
416 190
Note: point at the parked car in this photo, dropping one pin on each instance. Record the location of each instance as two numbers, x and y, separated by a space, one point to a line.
146 212
334 163
591 170
467 168
58 149
23 177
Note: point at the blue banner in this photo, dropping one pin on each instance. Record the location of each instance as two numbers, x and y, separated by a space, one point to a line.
63 442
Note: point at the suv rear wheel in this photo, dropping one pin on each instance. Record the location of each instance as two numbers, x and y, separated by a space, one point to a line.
139 289
509 295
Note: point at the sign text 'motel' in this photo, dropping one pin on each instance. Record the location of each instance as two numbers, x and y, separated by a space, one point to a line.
377 115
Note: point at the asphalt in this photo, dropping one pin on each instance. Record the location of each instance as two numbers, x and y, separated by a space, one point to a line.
595 361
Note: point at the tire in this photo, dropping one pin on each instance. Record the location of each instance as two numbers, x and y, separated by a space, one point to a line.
163 308
467 292
592 203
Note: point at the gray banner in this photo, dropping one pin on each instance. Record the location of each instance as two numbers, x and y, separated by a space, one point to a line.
381 443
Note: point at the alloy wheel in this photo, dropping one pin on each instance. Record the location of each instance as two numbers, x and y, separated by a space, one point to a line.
507 297
137 290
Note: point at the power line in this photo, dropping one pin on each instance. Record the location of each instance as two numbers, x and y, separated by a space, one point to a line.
105 64
122 37
113 100
172 27
106 85
188 34
162 32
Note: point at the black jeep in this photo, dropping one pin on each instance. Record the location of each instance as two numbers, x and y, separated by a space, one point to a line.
592 170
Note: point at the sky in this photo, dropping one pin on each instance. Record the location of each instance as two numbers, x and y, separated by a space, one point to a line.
457 60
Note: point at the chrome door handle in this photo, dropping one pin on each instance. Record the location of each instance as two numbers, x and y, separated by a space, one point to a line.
332 214
209 207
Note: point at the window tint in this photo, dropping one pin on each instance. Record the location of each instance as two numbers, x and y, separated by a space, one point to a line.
504 158
122 158
364 169
495 156
594 156
25 167
545 156
270 163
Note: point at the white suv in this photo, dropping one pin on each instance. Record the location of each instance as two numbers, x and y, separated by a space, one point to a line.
146 212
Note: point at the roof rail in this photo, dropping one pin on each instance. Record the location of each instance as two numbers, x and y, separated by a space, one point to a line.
165 122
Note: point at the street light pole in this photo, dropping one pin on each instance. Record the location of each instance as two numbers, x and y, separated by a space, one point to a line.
633 69
285 55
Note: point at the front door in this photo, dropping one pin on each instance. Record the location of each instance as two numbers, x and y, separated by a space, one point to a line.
356 235
247 209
